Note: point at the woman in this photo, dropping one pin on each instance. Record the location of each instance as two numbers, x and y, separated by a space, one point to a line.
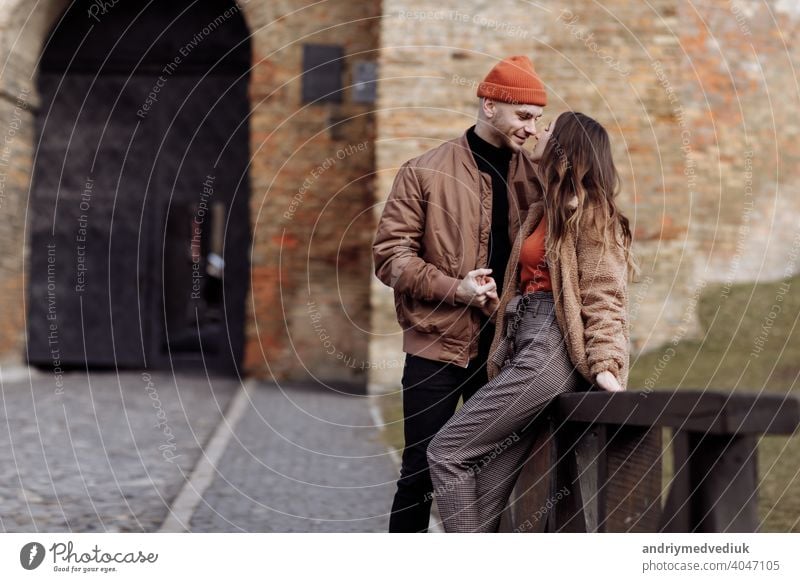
562 319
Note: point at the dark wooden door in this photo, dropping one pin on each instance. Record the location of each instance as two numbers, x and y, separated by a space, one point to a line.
139 206
202 221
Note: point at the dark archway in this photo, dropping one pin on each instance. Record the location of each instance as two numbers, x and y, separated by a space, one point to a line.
140 226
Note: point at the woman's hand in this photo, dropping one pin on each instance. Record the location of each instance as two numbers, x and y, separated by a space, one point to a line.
492 302
607 381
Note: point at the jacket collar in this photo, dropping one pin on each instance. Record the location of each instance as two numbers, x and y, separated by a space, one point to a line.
464 153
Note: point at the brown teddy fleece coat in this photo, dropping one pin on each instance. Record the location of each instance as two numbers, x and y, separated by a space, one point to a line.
591 299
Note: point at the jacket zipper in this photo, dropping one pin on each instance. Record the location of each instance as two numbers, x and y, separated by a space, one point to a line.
475 266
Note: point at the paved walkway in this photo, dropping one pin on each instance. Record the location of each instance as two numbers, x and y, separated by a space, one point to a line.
301 460
109 452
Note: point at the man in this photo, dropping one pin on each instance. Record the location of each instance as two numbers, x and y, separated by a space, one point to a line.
448 224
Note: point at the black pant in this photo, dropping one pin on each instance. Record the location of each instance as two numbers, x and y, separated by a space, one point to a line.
430 394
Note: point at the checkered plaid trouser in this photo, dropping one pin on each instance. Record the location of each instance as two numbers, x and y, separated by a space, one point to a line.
474 458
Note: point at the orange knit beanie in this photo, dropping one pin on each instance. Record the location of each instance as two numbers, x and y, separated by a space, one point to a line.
514 80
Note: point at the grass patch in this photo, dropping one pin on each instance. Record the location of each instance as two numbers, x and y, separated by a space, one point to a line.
750 343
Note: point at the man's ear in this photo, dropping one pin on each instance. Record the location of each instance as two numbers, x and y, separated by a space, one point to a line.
489 107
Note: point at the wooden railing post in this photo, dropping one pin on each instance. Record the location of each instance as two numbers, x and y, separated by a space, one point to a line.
632 490
716 484
531 499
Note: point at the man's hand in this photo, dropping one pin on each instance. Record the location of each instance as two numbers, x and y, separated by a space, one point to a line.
475 287
607 381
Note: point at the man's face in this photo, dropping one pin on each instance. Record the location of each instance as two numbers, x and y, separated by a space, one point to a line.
513 123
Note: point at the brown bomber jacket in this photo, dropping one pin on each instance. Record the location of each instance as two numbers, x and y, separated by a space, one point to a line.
591 300
435 229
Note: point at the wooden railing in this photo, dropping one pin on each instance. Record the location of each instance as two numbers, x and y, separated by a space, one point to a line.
596 463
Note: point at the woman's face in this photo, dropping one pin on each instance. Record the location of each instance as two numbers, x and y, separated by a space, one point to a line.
541 140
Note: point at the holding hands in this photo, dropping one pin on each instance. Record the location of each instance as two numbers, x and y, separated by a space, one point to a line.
478 289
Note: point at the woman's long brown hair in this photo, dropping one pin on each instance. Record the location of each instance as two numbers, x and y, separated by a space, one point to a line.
577 162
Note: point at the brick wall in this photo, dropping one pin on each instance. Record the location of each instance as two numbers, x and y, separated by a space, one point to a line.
699 97
312 193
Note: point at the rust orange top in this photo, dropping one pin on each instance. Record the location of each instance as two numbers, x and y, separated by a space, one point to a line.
534 274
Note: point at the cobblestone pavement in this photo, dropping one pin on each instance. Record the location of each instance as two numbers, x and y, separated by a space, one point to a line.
111 452
301 460
107 453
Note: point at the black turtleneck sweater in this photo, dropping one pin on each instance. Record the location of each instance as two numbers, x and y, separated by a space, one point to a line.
495 162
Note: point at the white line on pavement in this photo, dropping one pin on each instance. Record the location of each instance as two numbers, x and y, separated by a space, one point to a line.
182 509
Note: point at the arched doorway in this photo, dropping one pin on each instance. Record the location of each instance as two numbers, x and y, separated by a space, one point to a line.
140 225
